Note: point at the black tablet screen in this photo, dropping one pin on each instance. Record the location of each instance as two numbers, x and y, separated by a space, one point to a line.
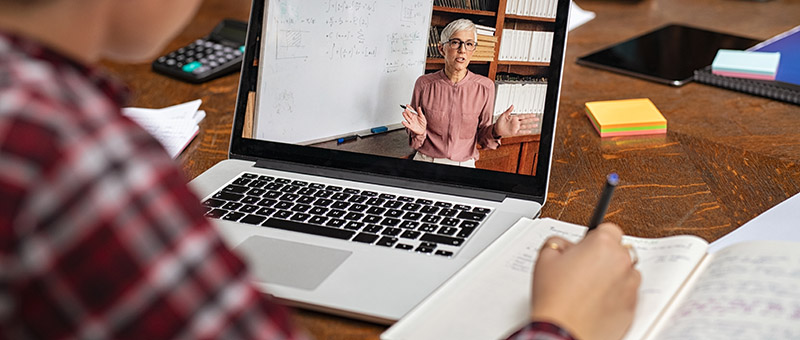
667 55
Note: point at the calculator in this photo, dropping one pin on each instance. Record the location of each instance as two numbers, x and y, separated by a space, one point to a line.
215 55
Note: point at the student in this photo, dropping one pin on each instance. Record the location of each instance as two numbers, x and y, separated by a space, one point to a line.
454 107
101 238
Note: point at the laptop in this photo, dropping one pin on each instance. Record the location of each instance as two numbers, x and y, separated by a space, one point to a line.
359 233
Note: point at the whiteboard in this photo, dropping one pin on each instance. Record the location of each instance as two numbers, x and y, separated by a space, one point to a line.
331 68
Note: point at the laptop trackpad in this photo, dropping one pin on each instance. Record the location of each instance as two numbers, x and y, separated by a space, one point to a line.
289 263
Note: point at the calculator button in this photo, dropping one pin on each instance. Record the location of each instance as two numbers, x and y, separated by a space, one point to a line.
191 66
227 49
241 49
180 57
208 44
189 53
199 41
162 59
170 62
229 56
200 70
200 55
219 53
204 60
218 47
213 64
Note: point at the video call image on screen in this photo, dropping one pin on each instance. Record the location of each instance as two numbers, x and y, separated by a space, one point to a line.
335 77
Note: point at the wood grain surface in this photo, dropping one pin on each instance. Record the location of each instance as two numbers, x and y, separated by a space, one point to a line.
726 157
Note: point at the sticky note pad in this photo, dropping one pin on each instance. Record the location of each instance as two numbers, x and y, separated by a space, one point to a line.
746 64
626 117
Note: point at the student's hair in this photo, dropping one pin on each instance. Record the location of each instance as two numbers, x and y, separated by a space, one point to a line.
453 27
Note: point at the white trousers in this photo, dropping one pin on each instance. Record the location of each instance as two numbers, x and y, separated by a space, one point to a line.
425 158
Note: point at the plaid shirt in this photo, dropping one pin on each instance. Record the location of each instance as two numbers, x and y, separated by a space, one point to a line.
99 235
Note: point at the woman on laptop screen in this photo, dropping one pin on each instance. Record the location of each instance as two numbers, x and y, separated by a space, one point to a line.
454 106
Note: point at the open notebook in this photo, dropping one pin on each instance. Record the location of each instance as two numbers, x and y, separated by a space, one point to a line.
745 291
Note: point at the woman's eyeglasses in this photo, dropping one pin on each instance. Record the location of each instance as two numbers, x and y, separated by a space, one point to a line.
456 44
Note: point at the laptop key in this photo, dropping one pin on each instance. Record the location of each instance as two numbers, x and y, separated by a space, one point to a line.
266 178
358 207
283 180
375 201
372 219
429 209
336 223
283 205
391 231
448 212
265 211
353 216
249 175
334 188
431 219
369 193
248 209
232 206
301 208
387 196
306 199
393 204
323 202
335 213
340 205
233 216
340 196
450 222
309 228
424 201
258 184
282 214
443 204
410 234
404 246
405 199
465 232
323 194
424 250
272 194
289 197
387 241
242 181
253 219
358 199
256 192
250 200
462 207
394 213
444 253
316 186
266 202
391 222
300 217
427 227
481 210
318 211
317 219
447 231
371 228
409 225
471 216
352 225
451 241
228 196
307 191
352 191
411 206
376 210
365 238
412 216
300 183
213 203
216 213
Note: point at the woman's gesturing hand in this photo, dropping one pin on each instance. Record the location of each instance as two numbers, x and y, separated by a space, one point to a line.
415 122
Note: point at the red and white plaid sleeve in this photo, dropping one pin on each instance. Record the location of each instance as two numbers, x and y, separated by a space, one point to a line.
99 235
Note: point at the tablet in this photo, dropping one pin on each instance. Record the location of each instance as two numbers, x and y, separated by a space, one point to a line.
667 55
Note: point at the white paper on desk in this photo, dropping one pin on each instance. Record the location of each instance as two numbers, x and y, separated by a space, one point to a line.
174 127
780 223
578 16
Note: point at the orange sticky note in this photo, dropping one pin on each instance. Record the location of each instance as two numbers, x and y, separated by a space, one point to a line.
626 117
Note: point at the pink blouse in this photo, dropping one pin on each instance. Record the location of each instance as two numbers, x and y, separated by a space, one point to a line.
459 116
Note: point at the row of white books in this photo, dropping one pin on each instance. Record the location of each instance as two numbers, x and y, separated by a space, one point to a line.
520 45
526 98
532 8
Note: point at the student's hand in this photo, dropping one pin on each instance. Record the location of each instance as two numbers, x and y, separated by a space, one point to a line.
508 125
415 122
588 288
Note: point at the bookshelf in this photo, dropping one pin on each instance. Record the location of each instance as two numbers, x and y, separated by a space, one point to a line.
516 154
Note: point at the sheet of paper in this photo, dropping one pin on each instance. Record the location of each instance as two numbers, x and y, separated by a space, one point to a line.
490 297
174 127
578 16
746 291
778 223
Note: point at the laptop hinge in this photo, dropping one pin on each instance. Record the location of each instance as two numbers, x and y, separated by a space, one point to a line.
386 180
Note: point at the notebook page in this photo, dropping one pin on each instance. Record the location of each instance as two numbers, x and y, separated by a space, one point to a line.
490 297
746 291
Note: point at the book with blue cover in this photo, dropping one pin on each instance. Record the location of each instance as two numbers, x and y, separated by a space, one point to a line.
785 87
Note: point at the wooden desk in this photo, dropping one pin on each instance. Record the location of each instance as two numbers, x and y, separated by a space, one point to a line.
726 158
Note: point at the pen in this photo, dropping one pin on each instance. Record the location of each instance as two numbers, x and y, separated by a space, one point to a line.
346 139
605 198
405 107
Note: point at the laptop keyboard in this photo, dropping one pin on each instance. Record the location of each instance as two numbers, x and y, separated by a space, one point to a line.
382 219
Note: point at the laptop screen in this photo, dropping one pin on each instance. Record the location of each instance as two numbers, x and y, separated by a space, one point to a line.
322 86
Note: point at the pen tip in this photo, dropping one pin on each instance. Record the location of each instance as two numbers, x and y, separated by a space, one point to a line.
613 178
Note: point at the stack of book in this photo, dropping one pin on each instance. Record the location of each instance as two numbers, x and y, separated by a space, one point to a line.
433 42
527 98
521 45
486 43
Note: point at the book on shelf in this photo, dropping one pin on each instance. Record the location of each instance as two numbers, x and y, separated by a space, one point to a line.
785 87
528 97
479 5
746 290
523 45
532 8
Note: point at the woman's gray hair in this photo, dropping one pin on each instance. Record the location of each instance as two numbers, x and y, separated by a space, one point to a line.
457 26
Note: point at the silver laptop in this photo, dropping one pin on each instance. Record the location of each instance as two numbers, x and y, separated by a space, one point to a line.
348 223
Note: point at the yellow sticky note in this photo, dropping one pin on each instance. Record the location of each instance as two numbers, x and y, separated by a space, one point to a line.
626 117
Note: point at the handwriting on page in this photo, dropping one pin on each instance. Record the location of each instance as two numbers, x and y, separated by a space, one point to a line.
747 292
